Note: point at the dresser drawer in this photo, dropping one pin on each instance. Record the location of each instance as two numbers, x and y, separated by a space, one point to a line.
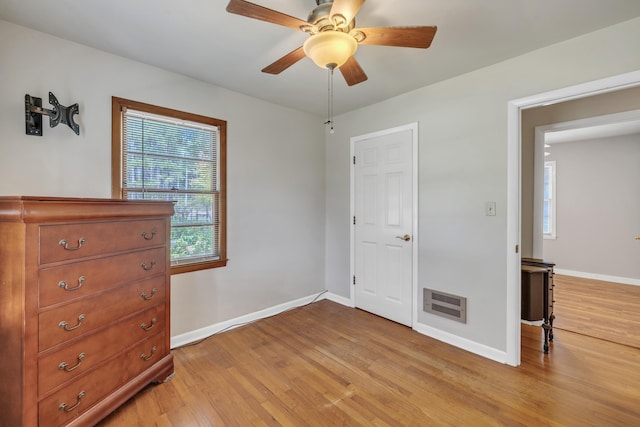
56 368
87 314
69 281
83 392
62 242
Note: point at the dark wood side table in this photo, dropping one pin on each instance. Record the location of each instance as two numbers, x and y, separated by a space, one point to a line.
537 294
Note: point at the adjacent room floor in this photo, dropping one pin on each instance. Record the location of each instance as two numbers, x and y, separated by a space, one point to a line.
605 310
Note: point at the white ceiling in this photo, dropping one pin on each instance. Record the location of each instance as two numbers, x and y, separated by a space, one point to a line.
607 126
198 38
593 132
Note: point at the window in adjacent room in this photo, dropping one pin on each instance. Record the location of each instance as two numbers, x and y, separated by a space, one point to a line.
165 154
549 209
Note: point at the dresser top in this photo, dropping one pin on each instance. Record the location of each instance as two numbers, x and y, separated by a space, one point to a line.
37 209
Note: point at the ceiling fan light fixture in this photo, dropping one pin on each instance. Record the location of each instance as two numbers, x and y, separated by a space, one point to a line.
339 21
330 49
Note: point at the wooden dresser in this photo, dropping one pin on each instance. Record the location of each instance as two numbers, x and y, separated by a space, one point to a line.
84 306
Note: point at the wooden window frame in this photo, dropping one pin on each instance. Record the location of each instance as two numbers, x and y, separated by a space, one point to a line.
118 105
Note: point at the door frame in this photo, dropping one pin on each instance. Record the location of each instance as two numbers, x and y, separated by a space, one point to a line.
514 146
413 127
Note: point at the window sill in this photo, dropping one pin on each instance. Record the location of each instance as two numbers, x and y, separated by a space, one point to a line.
186 268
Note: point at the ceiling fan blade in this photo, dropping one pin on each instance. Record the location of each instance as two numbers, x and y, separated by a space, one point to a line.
285 62
352 72
346 8
250 10
419 37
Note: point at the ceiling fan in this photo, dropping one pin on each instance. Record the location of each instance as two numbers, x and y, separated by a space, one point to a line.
334 36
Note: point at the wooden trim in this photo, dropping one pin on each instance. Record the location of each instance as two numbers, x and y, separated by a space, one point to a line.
116 148
169 112
222 170
185 268
117 107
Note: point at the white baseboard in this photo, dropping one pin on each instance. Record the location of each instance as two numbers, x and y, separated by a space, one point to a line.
604 277
456 341
202 333
530 323
463 343
339 299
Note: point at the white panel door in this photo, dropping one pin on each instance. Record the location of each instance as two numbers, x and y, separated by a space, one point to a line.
383 230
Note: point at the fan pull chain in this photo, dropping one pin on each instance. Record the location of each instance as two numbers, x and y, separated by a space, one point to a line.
329 121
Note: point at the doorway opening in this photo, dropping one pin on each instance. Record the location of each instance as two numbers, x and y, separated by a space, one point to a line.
586 217
519 209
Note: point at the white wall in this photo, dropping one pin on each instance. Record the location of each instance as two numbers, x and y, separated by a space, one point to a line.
598 207
463 164
279 211
275 167
581 109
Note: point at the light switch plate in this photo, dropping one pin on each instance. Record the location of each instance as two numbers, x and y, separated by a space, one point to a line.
491 208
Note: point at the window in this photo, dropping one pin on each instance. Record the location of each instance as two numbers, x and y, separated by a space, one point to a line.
164 154
549 208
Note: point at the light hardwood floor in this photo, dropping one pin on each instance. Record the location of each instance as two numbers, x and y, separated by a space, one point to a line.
328 365
605 310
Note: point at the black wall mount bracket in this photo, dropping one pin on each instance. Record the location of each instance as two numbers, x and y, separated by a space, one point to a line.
59 114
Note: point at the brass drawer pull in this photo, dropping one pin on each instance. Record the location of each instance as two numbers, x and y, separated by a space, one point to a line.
64 366
145 357
64 285
65 325
148 267
63 406
146 236
148 297
148 327
65 244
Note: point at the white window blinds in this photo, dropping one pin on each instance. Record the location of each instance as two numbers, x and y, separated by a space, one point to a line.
168 159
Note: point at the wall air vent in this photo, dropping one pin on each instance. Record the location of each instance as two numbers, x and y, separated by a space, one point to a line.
446 305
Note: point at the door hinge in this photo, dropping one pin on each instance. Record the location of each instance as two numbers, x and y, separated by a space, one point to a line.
354 160
354 280
354 220
517 248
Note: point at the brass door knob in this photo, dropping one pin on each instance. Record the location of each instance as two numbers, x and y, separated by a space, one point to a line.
406 237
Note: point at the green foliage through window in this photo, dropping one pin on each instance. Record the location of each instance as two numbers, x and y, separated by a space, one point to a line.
166 158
